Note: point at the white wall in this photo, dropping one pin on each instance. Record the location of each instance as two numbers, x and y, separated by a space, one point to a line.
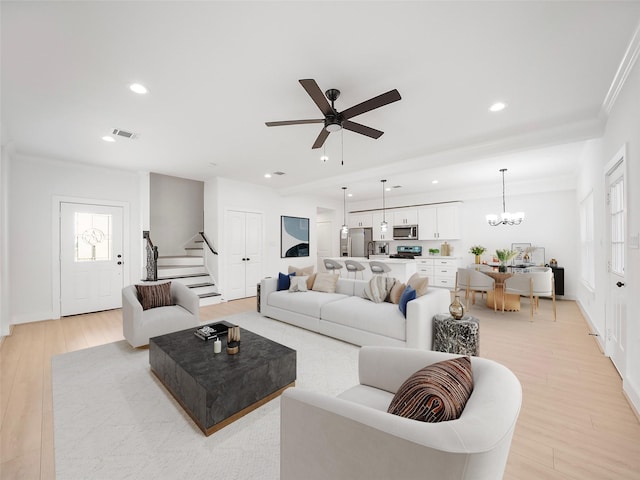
622 128
4 243
222 195
176 212
33 185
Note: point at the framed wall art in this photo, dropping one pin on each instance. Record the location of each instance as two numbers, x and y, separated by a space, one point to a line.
294 237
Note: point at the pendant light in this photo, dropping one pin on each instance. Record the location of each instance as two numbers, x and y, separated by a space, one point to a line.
345 227
383 224
506 218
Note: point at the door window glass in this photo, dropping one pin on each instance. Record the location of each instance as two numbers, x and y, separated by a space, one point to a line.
92 237
616 202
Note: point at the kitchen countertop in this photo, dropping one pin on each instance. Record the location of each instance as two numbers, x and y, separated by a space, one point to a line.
377 258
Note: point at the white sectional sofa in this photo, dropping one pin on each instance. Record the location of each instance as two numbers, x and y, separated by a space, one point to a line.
347 316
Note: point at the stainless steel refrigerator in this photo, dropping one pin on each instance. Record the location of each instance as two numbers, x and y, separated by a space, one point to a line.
357 243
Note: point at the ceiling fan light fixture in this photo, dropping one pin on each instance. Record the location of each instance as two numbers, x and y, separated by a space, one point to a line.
333 126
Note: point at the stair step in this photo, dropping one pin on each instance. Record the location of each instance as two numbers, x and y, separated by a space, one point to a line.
207 295
187 275
193 248
198 285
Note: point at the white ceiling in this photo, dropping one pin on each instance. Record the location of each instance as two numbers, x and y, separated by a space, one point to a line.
216 71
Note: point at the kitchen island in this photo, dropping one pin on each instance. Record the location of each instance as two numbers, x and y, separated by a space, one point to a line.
401 268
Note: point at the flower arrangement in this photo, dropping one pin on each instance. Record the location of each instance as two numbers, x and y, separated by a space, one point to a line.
477 250
505 255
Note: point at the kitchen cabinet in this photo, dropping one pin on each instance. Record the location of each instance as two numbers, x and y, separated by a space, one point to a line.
378 234
406 216
360 220
440 222
441 271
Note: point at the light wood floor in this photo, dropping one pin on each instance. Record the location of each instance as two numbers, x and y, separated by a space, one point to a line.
575 422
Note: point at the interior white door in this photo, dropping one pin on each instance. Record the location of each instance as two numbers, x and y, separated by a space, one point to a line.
616 311
244 242
325 233
91 260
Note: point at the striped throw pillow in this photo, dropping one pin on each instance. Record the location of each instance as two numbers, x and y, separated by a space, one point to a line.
158 295
435 393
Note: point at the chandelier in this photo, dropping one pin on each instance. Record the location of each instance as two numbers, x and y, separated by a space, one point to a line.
506 218
383 223
345 227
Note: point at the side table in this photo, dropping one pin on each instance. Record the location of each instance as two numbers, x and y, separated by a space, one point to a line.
258 296
456 336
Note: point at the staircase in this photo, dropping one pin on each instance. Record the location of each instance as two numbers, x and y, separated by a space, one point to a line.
189 269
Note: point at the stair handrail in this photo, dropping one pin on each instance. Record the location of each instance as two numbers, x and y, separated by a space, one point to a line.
206 240
152 258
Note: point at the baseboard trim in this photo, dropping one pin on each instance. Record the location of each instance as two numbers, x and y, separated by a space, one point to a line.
596 334
632 395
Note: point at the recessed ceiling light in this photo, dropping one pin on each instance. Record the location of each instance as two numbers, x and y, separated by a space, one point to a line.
496 107
349 194
267 175
138 88
108 138
434 181
388 189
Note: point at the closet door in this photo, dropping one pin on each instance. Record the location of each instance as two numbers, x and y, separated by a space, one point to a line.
244 241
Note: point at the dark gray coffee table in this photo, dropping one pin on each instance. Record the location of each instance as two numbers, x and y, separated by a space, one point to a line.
217 389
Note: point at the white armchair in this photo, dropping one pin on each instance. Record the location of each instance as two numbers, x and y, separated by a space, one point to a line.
139 325
352 436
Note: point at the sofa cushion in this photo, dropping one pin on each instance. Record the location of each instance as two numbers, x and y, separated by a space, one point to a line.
284 281
356 312
307 304
435 393
305 271
325 282
396 292
298 284
156 295
378 288
407 295
350 286
419 284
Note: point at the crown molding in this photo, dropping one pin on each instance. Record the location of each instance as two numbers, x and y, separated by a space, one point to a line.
624 69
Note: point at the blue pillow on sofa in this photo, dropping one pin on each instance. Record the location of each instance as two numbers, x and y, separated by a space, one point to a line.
408 295
284 280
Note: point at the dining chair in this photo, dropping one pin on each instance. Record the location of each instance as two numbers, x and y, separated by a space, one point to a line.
533 285
474 281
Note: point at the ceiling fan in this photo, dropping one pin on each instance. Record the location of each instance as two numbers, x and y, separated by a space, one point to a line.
334 120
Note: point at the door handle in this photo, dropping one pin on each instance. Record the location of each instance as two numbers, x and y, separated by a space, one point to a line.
119 263
620 284
247 259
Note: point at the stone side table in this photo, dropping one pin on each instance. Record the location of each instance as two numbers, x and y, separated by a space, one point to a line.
456 336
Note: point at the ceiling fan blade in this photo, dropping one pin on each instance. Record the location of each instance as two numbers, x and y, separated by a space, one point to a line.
317 96
362 129
321 138
371 104
293 122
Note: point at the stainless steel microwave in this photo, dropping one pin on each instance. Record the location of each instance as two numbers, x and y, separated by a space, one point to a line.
405 232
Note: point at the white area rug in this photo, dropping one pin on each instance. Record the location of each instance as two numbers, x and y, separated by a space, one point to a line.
114 420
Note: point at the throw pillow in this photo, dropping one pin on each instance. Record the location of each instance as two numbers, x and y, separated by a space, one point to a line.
396 292
308 271
325 282
435 393
298 284
157 295
284 281
378 288
419 284
407 295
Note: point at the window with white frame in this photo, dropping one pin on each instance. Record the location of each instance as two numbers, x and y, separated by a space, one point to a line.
587 253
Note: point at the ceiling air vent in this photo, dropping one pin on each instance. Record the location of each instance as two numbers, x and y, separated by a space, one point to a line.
125 134
279 173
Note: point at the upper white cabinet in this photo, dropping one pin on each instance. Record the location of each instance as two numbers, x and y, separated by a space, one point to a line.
406 216
441 222
378 234
360 220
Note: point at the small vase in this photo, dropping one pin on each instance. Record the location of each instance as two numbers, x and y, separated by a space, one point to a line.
456 309
478 259
502 268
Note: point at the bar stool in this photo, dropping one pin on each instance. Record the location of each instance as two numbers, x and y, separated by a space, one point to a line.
332 266
379 268
355 267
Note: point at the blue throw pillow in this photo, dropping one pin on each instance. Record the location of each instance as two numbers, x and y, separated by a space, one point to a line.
284 281
408 295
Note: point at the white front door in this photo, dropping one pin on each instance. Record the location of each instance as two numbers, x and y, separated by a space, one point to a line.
616 303
91 260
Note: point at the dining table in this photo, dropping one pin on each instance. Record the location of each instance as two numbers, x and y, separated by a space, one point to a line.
511 300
